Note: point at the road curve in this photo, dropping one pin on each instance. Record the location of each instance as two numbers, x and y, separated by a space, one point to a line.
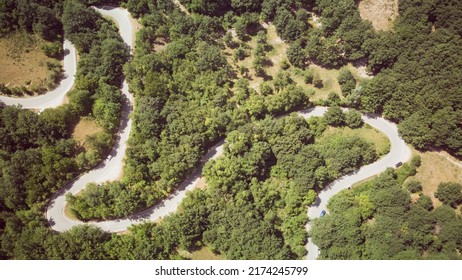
55 97
110 169
399 151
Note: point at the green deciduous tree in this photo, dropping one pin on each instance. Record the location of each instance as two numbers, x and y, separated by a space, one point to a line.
335 116
353 119
449 193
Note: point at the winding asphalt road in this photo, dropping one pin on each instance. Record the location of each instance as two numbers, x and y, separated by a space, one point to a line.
112 169
399 152
55 97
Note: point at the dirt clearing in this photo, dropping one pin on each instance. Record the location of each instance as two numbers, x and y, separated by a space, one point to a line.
381 13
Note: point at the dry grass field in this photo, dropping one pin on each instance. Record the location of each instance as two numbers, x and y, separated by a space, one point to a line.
22 60
380 12
84 128
204 254
435 169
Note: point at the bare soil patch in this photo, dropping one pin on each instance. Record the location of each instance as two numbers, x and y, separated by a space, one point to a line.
380 12
181 7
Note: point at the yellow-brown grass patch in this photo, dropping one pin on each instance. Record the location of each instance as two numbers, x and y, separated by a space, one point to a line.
380 12
435 169
84 128
22 60
276 55
204 253
201 184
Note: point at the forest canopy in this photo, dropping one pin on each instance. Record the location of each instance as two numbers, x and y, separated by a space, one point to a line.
377 220
188 97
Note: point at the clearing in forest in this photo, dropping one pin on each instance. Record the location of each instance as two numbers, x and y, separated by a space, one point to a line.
380 12
435 168
23 62
276 56
366 132
203 253
85 127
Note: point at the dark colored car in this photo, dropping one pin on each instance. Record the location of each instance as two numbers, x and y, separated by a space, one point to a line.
323 213
398 164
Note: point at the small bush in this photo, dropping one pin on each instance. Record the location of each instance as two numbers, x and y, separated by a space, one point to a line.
309 77
266 89
333 99
317 82
405 171
335 116
425 202
449 193
54 50
416 161
414 186
353 119
4 89
240 54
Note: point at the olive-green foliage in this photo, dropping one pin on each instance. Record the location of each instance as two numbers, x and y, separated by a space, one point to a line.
416 161
347 81
414 186
344 155
425 202
269 171
40 17
38 155
54 50
377 220
317 81
289 26
80 25
185 101
353 119
405 171
426 102
449 193
296 53
333 99
102 56
335 116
